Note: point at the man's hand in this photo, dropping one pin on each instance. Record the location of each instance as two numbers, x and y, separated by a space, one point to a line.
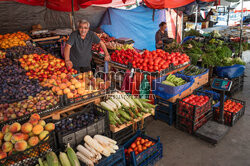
69 64
160 42
107 58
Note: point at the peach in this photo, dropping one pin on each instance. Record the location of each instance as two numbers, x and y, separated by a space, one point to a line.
21 145
64 81
63 75
80 91
7 146
70 95
26 127
3 155
42 122
1 135
7 136
78 85
73 81
33 141
37 129
57 89
1 143
26 137
50 127
59 93
43 135
68 83
53 77
66 91
72 87
62 86
54 89
35 116
33 122
15 127
17 137
5 129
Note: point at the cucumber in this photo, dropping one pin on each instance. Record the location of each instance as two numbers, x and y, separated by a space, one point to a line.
52 159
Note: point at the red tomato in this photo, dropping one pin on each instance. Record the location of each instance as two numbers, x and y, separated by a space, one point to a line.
133 145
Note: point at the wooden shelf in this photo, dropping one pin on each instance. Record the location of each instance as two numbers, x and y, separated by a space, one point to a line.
56 115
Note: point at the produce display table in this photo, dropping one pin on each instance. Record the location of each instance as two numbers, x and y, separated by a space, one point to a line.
56 115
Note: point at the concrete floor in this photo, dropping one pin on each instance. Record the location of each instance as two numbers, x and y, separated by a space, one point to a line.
182 149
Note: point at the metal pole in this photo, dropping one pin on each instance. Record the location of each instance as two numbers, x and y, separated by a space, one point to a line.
228 8
176 25
241 26
196 16
73 16
222 107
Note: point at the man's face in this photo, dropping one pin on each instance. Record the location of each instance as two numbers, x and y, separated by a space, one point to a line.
164 26
83 29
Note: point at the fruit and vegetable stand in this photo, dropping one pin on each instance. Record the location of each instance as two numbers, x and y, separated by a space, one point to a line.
47 109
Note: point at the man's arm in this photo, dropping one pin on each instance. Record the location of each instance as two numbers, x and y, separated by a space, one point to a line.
106 53
158 38
66 56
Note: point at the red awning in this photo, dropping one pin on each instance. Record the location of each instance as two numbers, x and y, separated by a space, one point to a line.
86 3
208 0
163 4
32 2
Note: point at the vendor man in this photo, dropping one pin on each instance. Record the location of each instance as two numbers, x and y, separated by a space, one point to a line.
77 51
161 36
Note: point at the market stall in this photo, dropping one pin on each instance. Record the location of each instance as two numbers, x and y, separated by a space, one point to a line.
51 115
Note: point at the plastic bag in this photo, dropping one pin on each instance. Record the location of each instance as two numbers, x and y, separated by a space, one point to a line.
127 82
230 71
144 88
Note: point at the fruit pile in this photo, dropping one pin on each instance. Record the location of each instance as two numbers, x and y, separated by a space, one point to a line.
84 83
186 106
2 55
43 66
43 100
105 38
16 137
15 85
150 61
77 122
138 146
13 40
18 52
231 108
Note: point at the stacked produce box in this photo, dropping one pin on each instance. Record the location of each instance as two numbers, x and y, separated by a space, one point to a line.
194 111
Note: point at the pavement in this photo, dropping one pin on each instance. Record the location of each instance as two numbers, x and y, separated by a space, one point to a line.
183 149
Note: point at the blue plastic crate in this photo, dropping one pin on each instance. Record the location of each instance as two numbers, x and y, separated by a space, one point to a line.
147 157
165 110
115 159
166 91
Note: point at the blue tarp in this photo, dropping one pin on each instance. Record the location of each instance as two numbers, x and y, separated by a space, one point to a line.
136 24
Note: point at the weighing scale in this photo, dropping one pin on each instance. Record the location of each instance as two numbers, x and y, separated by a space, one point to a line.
213 131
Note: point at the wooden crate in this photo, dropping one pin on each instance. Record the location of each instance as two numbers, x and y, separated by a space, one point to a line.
182 95
201 80
115 129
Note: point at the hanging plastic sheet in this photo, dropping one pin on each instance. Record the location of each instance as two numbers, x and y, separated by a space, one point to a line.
62 5
32 2
86 3
137 24
163 4
230 71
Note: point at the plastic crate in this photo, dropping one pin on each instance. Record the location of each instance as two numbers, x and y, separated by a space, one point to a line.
27 116
165 110
75 135
194 112
149 156
230 118
115 159
190 126
30 156
157 73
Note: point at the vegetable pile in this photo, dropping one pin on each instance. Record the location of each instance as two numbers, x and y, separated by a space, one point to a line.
150 61
123 109
65 159
94 148
172 80
232 106
138 146
186 106
193 70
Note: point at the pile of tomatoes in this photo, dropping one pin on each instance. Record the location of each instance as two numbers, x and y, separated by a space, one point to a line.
230 108
150 61
138 146
186 108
